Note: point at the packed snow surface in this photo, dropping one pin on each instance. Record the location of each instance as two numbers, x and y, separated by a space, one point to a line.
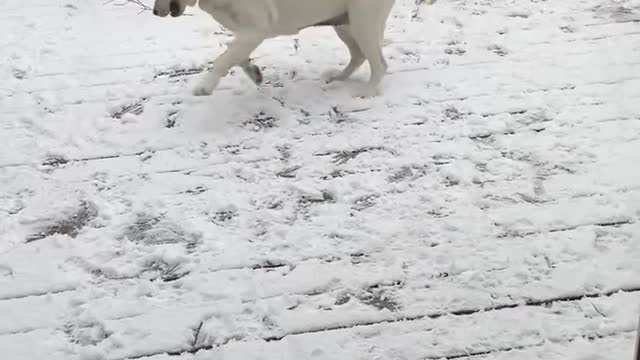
486 205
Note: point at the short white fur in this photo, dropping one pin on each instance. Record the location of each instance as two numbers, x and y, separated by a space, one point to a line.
254 21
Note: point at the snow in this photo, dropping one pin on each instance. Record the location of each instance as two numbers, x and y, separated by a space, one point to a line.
485 206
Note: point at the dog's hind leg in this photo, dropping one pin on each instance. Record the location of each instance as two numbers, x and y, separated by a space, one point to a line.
357 58
236 54
367 24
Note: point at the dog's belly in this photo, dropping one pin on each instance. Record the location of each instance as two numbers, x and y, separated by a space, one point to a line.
295 15
291 15
339 20
224 14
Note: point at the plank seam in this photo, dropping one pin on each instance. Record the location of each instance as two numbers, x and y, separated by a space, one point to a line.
436 315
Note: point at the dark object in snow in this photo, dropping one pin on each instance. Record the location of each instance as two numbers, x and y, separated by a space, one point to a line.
364 202
136 109
54 161
380 301
19 73
260 121
327 197
408 173
136 232
155 230
86 333
285 151
450 181
342 299
70 226
270 265
196 336
197 190
337 116
183 72
342 157
379 296
289 172
520 15
415 13
452 113
497 49
172 118
223 216
455 51
163 271
305 202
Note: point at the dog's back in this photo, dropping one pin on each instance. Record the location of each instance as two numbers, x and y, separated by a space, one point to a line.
293 15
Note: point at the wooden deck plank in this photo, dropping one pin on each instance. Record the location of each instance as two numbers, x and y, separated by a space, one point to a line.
560 324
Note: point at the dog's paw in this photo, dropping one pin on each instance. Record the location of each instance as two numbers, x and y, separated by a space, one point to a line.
334 75
202 89
205 85
254 73
365 92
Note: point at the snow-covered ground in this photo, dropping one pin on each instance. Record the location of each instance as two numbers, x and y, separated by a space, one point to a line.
486 206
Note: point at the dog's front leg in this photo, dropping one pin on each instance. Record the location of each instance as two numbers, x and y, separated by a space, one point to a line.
236 53
252 71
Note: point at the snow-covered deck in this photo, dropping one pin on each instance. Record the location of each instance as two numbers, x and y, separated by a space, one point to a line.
486 206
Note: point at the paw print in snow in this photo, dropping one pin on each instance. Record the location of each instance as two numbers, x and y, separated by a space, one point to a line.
497 49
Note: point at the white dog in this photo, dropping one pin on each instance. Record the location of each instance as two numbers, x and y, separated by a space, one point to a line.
360 24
